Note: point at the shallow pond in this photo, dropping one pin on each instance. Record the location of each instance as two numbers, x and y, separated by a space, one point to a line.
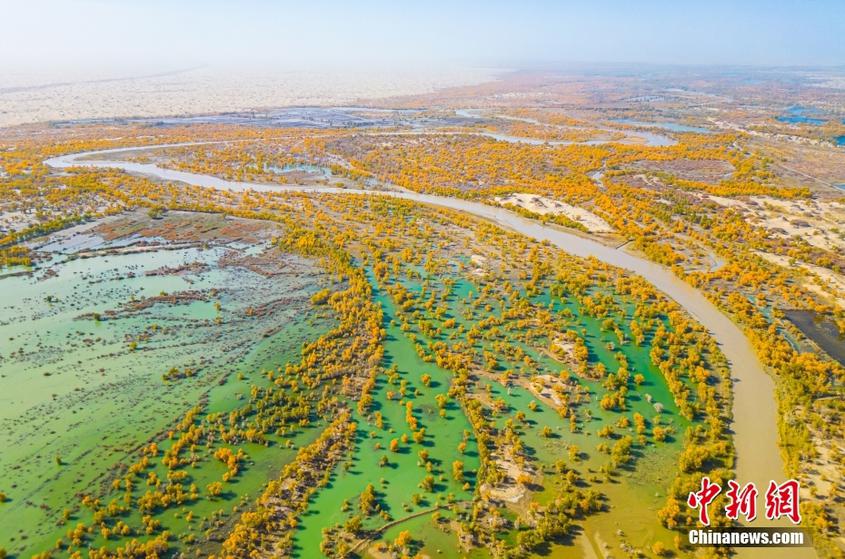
800 115
86 342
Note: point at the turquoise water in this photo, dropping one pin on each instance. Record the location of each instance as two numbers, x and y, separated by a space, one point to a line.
800 115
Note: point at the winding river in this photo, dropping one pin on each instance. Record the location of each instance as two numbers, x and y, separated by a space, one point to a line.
632 137
754 408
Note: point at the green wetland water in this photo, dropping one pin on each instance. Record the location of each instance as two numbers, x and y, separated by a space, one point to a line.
400 478
89 334
85 343
634 495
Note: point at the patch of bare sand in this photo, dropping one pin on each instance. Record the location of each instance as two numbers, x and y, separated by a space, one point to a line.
548 206
548 388
826 472
827 283
511 489
819 222
480 263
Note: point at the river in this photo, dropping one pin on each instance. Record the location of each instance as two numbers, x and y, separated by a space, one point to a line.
632 137
754 407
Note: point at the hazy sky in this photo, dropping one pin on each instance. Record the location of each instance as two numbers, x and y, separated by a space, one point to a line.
167 34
